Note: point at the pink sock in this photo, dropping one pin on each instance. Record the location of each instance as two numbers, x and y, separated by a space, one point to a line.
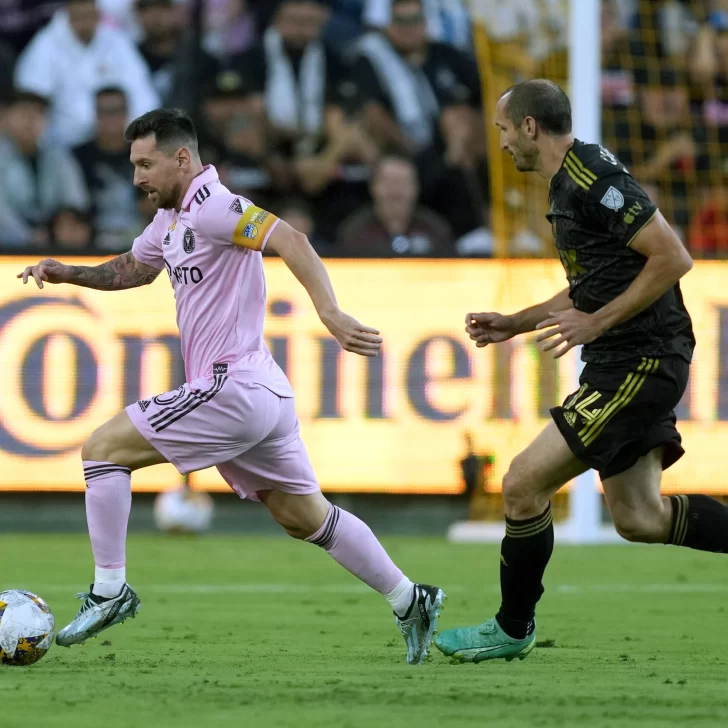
108 503
352 543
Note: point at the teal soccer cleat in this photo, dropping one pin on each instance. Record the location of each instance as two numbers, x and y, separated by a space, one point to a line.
487 641
97 614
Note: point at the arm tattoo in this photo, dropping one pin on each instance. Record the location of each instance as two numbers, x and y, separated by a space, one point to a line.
118 274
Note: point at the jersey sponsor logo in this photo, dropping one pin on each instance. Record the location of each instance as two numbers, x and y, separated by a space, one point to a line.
632 213
188 242
237 206
250 231
259 217
613 199
202 194
220 368
167 240
144 404
184 274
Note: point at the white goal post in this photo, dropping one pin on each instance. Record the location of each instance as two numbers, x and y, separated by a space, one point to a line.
583 525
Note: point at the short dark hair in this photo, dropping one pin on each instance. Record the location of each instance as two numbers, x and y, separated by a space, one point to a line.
172 129
20 96
393 158
542 100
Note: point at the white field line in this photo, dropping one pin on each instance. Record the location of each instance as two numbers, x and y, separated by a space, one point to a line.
453 589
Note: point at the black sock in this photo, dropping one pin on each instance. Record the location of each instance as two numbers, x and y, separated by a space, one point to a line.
525 552
699 522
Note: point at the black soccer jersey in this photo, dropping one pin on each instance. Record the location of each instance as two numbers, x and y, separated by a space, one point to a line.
596 209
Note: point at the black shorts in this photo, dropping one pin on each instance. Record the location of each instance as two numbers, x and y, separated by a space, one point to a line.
623 411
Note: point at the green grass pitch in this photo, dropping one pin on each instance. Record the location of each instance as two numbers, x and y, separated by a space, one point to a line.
269 632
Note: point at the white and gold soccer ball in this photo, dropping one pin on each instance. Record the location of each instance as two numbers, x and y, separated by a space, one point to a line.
183 511
27 627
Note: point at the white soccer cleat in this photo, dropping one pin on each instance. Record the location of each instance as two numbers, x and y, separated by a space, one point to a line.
97 614
419 623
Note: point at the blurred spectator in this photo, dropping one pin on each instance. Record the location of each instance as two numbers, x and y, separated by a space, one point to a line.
708 234
293 71
161 23
298 214
538 26
35 180
303 87
447 20
245 168
6 74
223 98
709 70
109 176
423 99
20 20
74 56
229 28
345 22
670 23
394 225
336 173
71 233
617 86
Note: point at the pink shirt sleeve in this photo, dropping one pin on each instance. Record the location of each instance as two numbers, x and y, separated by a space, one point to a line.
232 220
147 248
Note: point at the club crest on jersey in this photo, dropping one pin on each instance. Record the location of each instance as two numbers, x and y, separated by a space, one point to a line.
237 206
250 231
613 199
188 242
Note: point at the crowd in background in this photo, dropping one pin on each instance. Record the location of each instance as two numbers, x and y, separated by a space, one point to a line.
358 121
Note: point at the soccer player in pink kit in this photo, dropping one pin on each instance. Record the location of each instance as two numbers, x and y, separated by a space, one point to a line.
236 409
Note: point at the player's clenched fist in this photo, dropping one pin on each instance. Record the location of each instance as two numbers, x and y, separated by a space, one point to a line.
352 335
48 270
489 328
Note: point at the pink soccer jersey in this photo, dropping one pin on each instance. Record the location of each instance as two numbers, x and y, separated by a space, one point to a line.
211 249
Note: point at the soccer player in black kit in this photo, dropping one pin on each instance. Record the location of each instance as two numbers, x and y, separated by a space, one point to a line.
623 304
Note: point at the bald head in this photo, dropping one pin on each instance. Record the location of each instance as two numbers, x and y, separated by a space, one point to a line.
542 100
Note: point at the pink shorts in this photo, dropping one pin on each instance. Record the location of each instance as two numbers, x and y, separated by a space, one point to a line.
250 433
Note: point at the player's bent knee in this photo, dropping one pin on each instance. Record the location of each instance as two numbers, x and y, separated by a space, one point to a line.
98 447
299 516
638 530
519 493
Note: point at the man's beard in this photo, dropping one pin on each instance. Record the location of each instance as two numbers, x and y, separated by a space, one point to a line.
527 161
168 201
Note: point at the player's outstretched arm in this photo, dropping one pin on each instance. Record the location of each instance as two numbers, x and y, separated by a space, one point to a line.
492 328
117 274
305 264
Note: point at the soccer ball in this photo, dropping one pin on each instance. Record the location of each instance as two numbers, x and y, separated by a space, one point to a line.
26 627
183 511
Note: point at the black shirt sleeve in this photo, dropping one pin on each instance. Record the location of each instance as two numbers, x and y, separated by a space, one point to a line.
466 70
336 77
618 206
368 86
